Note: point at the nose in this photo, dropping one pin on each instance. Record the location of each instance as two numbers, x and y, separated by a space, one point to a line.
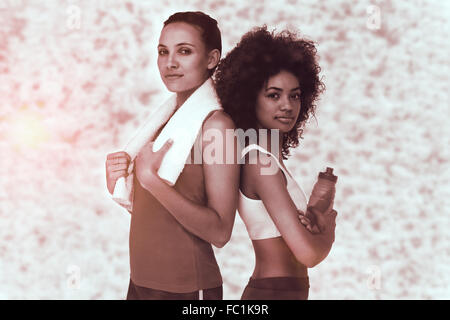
172 62
286 105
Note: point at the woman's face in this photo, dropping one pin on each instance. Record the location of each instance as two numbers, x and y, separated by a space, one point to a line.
183 60
278 102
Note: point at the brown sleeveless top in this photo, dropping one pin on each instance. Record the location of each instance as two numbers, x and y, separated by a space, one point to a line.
164 255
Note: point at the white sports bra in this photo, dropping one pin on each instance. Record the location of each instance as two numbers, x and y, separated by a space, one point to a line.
257 220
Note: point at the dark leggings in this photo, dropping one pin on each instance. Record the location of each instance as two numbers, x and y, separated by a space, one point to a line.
278 288
141 293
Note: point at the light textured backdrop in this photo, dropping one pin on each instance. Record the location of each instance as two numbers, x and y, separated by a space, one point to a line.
77 77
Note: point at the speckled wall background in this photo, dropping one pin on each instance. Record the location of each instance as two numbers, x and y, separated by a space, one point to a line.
77 77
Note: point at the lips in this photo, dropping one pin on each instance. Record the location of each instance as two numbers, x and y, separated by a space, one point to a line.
284 119
173 76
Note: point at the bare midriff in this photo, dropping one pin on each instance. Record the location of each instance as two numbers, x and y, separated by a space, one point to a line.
273 258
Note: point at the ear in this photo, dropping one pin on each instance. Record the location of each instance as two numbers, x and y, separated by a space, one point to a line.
213 58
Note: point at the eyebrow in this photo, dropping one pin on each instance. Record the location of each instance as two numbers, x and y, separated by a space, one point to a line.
178 44
279 89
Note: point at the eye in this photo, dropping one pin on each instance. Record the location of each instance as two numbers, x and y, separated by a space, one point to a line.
296 96
162 52
273 96
185 51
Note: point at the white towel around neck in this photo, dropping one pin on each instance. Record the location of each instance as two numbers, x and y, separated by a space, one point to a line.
182 127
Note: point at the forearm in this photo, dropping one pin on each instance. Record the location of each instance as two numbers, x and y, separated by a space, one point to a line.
198 219
322 244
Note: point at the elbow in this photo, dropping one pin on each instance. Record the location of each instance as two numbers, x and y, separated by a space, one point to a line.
314 262
222 232
316 254
309 262
318 258
221 241
309 259
219 244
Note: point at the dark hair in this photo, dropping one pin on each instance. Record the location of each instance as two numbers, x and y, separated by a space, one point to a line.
258 56
210 31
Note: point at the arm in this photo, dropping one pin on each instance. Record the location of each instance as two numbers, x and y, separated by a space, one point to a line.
213 222
309 249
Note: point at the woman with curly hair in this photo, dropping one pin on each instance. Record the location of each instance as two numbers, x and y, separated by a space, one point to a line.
270 82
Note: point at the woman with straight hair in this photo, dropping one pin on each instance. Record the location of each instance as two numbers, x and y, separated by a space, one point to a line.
173 226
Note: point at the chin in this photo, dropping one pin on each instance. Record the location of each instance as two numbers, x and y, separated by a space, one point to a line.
174 87
179 87
284 128
292 127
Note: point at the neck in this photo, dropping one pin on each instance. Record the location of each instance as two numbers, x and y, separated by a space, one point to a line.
265 140
184 95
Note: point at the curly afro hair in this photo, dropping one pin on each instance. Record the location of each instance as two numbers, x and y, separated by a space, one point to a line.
258 56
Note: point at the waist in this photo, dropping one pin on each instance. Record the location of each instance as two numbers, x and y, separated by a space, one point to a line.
173 260
280 283
163 254
273 258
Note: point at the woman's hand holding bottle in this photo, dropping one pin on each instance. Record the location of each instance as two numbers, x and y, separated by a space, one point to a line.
324 221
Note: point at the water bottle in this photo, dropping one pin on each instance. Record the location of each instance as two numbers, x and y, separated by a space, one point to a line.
322 194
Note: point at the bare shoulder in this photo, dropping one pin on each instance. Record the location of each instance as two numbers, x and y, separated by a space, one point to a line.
250 174
260 169
219 119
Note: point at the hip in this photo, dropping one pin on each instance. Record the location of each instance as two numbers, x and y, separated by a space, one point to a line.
277 288
136 292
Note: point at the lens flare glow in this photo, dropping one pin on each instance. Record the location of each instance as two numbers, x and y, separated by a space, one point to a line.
27 129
